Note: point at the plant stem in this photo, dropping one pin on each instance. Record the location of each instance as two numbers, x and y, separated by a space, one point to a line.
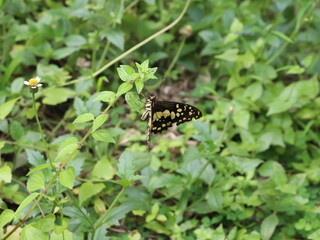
41 132
102 218
174 60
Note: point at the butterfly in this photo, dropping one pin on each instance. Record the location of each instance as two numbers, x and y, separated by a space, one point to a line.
163 114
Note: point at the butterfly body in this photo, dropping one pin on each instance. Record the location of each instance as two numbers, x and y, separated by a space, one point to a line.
163 114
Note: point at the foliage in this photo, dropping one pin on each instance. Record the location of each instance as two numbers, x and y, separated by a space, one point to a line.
74 164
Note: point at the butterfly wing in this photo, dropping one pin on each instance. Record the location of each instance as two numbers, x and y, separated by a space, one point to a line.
164 114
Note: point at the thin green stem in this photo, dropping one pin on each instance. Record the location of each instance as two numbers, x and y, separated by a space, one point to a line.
175 59
60 123
131 5
79 208
104 54
230 112
41 132
102 218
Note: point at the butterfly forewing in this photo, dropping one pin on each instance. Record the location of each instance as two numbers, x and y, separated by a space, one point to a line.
165 113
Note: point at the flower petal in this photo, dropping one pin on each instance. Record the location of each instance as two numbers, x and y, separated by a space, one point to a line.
26 83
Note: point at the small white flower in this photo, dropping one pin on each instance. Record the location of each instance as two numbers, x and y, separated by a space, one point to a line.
33 83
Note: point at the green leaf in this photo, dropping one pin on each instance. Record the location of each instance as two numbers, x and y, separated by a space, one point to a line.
89 189
125 73
101 119
264 72
103 135
254 91
6 216
30 232
61 236
5 174
36 181
118 213
45 224
75 40
282 36
35 158
6 108
143 67
67 147
274 171
126 168
9 70
123 88
134 101
116 37
295 69
230 55
139 85
38 168
268 226
103 169
315 235
215 199
63 52
17 85
66 177
105 96
271 136
26 201
278 106
235 30
241 118
86 117
57 95
154 212
236 26
63 225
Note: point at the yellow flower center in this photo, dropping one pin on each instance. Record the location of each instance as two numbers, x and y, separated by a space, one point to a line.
33 82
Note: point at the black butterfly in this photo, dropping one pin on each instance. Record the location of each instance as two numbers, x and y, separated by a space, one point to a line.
163 114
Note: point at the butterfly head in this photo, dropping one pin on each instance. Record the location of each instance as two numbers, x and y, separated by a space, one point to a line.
151 98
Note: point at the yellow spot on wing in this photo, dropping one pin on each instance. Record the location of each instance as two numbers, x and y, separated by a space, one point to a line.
179 110
178 114
166 113
177 105
173 115
159 114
